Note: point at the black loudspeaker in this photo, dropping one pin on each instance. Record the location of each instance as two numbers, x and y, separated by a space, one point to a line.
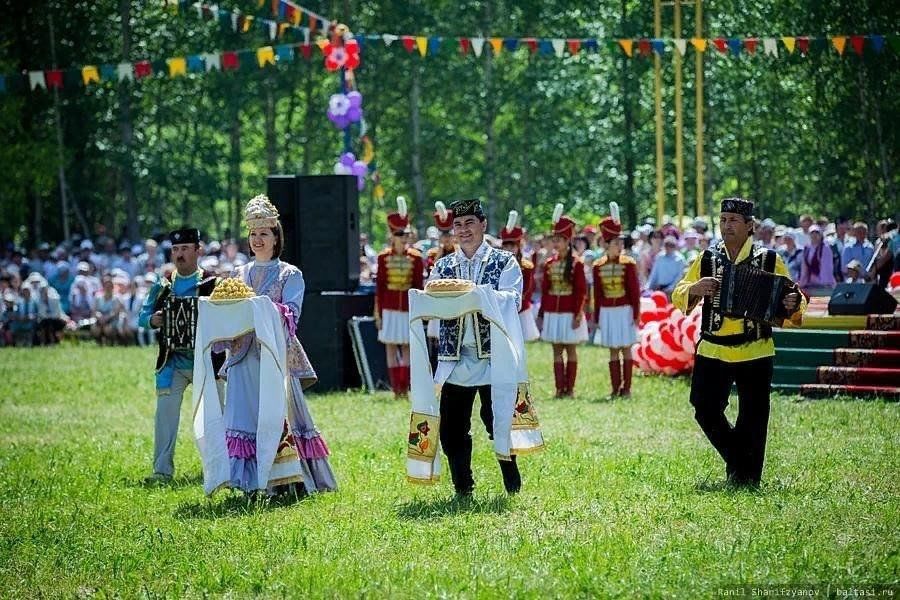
860 299
325 336
320 216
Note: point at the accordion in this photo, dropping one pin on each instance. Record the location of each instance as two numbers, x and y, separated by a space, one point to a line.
748 292
179 322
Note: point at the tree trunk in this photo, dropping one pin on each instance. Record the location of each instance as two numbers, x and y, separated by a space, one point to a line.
418 180
126 129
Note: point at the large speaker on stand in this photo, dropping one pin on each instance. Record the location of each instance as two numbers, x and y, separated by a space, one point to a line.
320 217
860 299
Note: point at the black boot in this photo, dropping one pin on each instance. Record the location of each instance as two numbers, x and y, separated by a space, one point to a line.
512 480
461 473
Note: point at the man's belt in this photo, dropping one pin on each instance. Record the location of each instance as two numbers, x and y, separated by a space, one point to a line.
729 340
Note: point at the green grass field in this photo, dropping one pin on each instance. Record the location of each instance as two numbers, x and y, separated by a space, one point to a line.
628 500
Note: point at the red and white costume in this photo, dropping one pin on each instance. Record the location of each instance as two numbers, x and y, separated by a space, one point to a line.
515 234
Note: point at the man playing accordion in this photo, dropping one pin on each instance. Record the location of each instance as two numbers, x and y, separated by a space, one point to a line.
736 347
171 308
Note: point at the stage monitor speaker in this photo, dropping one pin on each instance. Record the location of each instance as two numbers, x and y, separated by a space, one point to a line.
860 299
325 336
320 216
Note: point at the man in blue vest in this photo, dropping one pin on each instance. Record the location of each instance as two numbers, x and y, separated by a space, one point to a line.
174 366
464 345
733 350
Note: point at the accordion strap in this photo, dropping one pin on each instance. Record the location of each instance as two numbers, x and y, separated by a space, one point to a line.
728 340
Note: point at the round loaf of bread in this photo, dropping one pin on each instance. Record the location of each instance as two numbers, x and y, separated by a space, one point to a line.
448 287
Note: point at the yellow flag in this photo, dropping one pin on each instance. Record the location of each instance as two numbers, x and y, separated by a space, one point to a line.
321 43
627 46
282 27
177 66
265 56
422 44
379 191
497 45
89 74
699 44
248 23
840 42
294 16
789 43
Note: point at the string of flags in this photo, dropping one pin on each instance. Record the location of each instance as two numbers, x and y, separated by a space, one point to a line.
300 30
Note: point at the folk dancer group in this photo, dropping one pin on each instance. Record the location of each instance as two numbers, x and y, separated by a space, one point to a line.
731 350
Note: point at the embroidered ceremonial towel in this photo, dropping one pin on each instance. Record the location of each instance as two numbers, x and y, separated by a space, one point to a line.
218 322
508 379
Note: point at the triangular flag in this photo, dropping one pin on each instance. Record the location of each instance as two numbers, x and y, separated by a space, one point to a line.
590 45
512 44
55 79
213 61
89 75
247 24
434 44
282 27
803 44
293 16
699 44
322 43
285 53
680 45
229 61
422 44
195 63
839 42
496 45
627 46
532 44
721 45
545 47
559 46
644 47
789 43
659 46
409 43
750 45
858 41
36 80
464 45
235 21
735 45
125 71
306 50
389 38
574 46
477 46
108 72
273 29
771 46
877 42
143 69
177 66
612 45
265 56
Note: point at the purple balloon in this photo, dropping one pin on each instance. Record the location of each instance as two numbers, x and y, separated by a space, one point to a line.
354 114
347 159
360 183
360 168
355 99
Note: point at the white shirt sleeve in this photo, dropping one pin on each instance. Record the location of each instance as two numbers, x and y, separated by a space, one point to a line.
511 281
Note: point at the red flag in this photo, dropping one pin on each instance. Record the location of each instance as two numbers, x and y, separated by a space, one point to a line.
644 47
858 42
532 44
803 44
574 45
54 79
409 42
750 45
275 8
721 45
464 45
306 50
229 61
142 69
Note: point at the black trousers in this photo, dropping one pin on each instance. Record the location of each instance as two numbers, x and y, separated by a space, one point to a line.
743 445
456 435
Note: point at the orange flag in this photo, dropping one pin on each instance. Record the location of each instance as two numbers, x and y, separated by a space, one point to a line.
627 46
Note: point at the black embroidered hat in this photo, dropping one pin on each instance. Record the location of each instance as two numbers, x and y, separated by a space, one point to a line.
738 206
464 208
189 235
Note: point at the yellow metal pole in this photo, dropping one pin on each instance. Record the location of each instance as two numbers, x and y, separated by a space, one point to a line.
698 103
657 69
679 122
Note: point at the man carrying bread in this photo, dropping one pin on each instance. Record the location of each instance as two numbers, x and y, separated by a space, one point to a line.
464 344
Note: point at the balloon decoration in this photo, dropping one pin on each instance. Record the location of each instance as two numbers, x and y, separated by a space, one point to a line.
348 165
344 109
341 50
667 337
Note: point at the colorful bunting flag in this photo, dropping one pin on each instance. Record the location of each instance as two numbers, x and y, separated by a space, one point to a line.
858 43
877 43
285 53
532 44
434 45
545 47
496 45
659 46
789 43
389 38
750 45
409 43
212 60
590 45
839 41
512 44
306 50
803 44
477 46
177 66
55 79
721 45
230 61
89 75
771 46
125 71
422 44
464 45
265 56
627 47
681 46
735 45
699 44
644 47
559 46
195 64
574 46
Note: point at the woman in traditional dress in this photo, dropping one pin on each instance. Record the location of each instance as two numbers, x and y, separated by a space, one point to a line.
399 269
301 462
617 302
511 237
561 316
